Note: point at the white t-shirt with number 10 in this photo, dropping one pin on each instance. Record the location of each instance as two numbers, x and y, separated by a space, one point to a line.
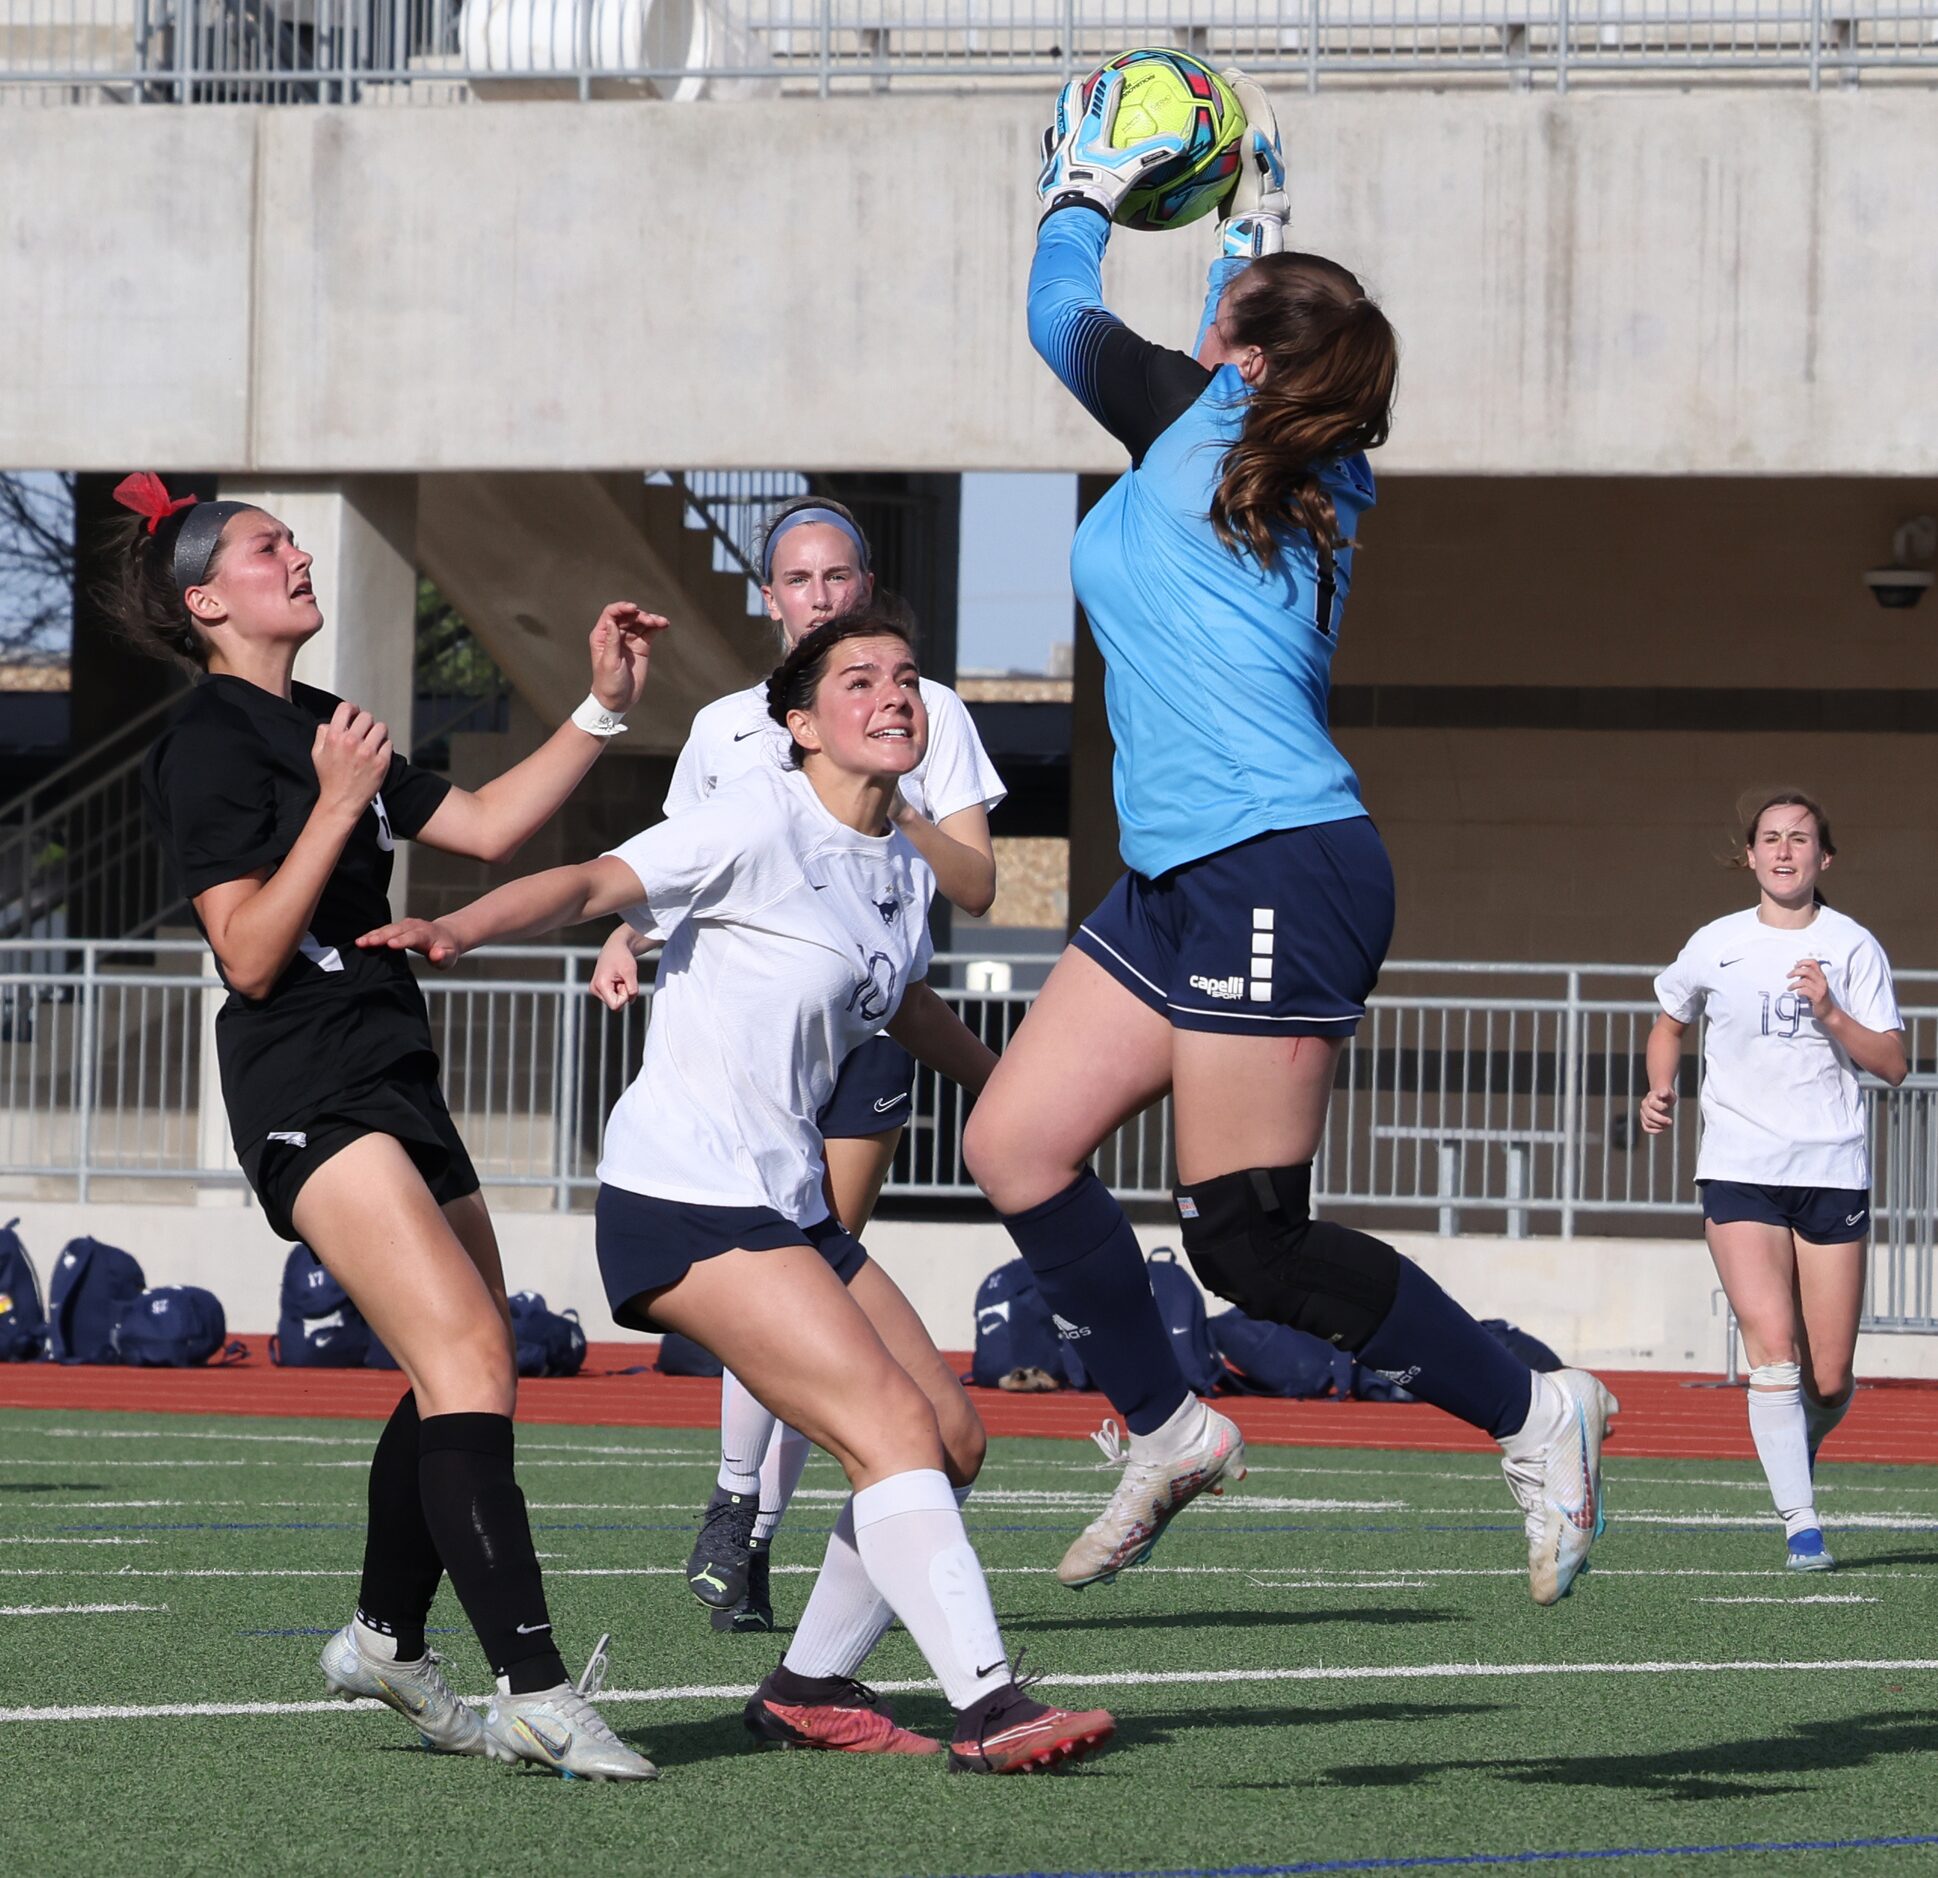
1780 1102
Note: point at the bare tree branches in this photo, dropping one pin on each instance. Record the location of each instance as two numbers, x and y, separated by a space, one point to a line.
36 562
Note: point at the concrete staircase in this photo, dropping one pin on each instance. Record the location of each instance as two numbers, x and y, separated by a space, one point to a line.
529 560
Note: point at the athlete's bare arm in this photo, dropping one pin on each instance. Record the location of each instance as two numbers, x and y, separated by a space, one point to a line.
933 1034
256 921
521 909
494 822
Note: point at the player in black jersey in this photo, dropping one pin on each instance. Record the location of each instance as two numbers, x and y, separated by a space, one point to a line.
280 807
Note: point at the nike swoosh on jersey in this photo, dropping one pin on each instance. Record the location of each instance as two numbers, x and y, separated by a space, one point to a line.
1737 960
884 1103
741 736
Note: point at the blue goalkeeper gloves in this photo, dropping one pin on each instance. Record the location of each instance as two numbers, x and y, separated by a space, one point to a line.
1081 165
1258 207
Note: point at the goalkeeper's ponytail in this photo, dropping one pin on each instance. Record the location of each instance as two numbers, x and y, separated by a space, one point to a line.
1327 390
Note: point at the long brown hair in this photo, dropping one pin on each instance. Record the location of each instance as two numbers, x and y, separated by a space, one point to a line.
1331 357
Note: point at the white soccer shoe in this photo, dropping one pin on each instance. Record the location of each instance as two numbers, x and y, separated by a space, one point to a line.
1559 1486
1148 1497
560 1729
417 1691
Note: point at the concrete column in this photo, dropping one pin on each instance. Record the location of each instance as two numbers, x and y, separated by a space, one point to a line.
363 532
1094 860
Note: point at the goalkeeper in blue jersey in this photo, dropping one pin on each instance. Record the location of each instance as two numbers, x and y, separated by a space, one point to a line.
1231 962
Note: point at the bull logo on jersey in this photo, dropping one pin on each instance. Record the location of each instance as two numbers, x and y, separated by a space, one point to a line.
890 909
874 997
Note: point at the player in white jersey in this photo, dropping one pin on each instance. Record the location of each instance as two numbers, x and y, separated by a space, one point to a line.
815 564
794 922
1798 999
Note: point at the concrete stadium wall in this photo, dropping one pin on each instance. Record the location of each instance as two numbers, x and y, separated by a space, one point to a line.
1729 284
1606 1303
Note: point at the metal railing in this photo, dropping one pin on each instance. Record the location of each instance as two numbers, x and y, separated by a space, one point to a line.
731 508
444 51
1502 1098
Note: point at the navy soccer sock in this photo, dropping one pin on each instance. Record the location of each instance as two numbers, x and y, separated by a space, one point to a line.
476 1513
401 1567
1431 1347
1086 1262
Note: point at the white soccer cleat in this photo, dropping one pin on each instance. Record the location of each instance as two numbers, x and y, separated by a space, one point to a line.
1148 1497
1559 1487
560 1729
417 1691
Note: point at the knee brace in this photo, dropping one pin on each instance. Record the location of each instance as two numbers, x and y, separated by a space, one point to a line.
1251 1238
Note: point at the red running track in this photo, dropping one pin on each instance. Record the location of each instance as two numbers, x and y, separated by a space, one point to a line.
1664 1416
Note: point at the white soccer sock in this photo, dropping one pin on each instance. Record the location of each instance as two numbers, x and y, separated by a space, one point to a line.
1820 1418
1183 1432
746 1426
909 1533
780 1474
1777 1428
373 1645
845 1616
1549 1408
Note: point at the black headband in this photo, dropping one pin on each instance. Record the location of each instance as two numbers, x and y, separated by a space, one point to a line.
201 528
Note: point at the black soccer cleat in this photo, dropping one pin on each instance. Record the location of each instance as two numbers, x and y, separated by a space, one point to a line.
755 1611
716 1569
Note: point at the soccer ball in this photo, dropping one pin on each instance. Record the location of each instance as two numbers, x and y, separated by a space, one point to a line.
1172 94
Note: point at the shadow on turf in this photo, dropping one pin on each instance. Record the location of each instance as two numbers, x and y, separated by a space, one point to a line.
1380 1615
51 1486
1148 1728
1727 1770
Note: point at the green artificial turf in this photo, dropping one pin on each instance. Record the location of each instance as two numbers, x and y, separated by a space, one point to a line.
1329 1563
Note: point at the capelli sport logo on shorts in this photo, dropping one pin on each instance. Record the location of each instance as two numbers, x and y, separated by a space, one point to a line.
1218 987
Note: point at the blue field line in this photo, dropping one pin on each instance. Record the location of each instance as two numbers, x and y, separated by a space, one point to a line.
1445 1861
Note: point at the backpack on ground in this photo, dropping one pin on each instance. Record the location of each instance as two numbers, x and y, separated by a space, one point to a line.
176 1327
317 1327
23 1319
1530 1349
93 1284
550 1343
1017 1343
1182 1306
681 1356
1275 1359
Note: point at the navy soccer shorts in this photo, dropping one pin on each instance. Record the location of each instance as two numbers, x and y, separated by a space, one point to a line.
871 1091
646 1244
1280 936
1817 1215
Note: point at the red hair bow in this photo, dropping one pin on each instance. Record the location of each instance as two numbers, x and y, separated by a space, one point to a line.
147 494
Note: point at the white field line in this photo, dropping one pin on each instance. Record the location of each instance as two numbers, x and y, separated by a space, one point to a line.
1117 1679
1286 1577
1820 1598
73 1610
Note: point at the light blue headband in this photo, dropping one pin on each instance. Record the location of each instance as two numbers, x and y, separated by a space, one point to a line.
795 518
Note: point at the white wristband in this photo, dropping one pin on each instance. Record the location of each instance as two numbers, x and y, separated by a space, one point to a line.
593 718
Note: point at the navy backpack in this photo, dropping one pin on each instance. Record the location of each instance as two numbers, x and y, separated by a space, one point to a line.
681 1356
317 1327
1531 1350
1182 1306
176 1327
550 1343
93 1284
1275 1359
1017 1341
23 1323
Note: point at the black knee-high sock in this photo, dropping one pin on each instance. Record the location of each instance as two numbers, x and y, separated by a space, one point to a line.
476 1514
401 1567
